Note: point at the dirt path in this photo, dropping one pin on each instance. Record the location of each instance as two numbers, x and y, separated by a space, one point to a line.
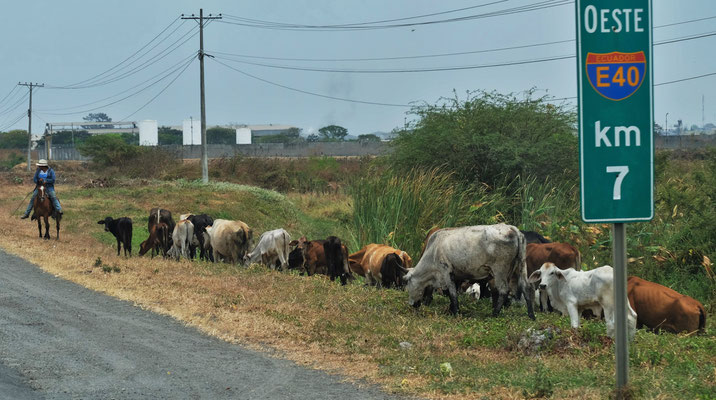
59 340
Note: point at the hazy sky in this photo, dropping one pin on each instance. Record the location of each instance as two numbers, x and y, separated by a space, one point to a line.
60 43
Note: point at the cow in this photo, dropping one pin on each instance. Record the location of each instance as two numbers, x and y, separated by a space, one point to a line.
200 223
315 261
373 263
158 214
572 292
472 252
271 249
563 255
534 237
158 240
336 259
229 240
661 308
121 228
183 239
295 257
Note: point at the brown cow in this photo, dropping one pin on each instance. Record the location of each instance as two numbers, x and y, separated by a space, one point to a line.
371 262
563 255
158 240
314 257
659 307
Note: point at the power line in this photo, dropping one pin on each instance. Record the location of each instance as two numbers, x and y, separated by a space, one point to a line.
685 79
153 60
132 55
359 26
311 93
497 49
685 22
117 101
161 91
388 20
9 125
173 69
15 105
9 93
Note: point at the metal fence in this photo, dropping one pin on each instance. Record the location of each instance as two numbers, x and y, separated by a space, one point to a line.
333 149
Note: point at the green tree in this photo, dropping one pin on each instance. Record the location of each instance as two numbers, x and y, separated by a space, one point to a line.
312 138
219 135
333 132
369 137
168 135
490 137
15 139
109 149
98 117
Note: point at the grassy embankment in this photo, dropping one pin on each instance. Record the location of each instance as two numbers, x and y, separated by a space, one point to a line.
354 330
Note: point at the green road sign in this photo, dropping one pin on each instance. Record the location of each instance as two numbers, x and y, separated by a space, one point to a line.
616 146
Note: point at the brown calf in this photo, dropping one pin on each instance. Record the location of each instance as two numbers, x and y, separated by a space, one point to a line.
659 307
158 240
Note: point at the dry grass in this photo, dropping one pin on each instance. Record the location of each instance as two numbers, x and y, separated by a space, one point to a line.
353 331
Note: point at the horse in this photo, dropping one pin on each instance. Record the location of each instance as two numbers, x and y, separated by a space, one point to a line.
43 208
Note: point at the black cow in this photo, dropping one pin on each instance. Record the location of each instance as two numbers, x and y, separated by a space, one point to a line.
392 271
336 259
121 228
200 223
534 237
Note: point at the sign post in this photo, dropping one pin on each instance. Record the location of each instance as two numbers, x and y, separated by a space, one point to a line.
616 145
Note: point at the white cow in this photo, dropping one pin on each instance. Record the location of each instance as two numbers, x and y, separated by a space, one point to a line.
229 240
572 291
183 238
471 252
474 291
272 247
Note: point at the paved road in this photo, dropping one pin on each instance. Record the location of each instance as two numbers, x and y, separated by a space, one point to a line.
59 340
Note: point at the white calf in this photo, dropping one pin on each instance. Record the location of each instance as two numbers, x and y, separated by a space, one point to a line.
182 238
272 247
572 291
474 291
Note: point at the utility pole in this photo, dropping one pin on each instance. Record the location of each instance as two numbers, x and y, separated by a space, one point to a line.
29 121
204 155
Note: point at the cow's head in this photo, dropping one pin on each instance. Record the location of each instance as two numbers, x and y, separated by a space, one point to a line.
548 275
418 288
106 222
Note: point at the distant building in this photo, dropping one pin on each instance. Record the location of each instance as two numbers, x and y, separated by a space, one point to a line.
267 130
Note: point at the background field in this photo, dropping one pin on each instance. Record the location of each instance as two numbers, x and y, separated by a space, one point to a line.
357 330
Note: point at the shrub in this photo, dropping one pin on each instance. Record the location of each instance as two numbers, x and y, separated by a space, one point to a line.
490 137
109 149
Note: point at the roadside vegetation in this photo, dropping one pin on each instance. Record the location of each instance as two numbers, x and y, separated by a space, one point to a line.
373 334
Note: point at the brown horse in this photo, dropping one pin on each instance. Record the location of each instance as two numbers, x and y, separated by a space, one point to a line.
43 208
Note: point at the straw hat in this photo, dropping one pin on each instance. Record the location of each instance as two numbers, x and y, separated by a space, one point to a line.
42 163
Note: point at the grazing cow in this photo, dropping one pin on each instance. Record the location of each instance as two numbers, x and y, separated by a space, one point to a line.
572 291
373 263
272 248
336 259
472 252
474 291
200 223
563 255
158 240
160 215
315 259
295 257
183 239
534 237
659 307
121 228
229 240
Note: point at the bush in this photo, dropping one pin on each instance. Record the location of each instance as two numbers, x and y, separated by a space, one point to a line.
490 137
16 139
109 149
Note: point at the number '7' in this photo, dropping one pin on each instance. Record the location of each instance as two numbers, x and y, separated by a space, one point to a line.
623 170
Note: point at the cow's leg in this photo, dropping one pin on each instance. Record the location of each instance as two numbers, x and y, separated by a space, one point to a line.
529 296
119 245
452 292
573 315
428 295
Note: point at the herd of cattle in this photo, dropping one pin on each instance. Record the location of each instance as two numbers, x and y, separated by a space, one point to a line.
497 261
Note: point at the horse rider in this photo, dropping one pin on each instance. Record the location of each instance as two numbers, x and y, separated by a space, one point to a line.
46 176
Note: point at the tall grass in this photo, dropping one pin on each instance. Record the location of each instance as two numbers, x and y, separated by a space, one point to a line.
398 210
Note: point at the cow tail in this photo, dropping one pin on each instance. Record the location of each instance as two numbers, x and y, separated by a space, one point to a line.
578 267
702 318
286 248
